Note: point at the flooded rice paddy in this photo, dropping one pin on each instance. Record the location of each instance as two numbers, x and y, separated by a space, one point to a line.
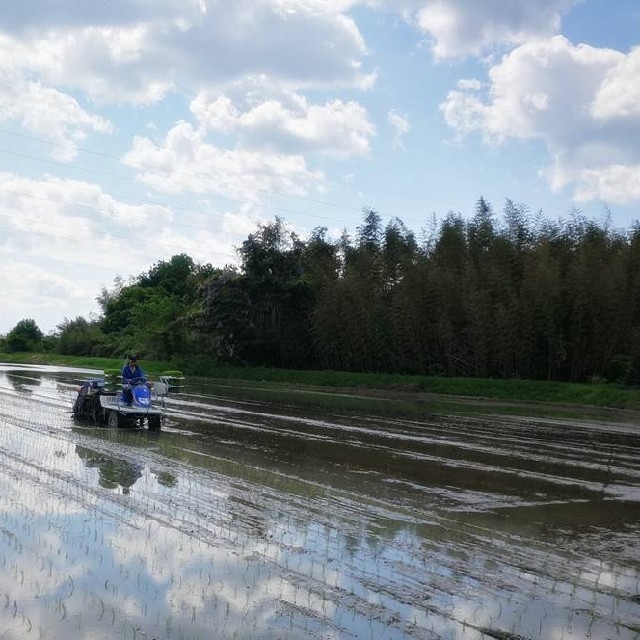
261 521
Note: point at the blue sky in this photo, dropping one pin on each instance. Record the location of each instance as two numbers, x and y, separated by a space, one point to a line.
134 130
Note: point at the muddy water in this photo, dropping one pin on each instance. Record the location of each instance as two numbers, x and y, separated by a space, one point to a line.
251 520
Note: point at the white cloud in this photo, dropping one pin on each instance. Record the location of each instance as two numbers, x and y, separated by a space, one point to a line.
47 112
553 90
272 129
614 183
473 27
469 27
186 162
318 6
30 290
240 223
470 84
75 225
401 125
71 205
216 113
619 94
127 60
336 128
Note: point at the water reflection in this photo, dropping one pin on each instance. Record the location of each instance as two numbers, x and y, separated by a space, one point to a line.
114 472
165 478
28 379
260 523
16 381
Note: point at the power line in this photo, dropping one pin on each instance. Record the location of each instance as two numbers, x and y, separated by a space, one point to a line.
160 170
197 175
265 206
71 203
120 197
75 204
106 234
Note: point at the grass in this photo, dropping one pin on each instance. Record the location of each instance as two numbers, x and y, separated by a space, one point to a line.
406 387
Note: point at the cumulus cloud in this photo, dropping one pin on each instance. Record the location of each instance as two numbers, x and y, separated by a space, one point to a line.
619 95
71 222
185 161
271 129
36 286
469 27
556 91
614 183
118 60
336 128
81 204
47 112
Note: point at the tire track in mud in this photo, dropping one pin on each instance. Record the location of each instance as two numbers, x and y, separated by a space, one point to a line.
368 526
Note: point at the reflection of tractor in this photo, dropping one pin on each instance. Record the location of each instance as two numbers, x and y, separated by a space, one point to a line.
114 472
99 401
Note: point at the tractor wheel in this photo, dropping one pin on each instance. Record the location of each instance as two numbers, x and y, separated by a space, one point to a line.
154 423
114 420
78 407
93 408
81 407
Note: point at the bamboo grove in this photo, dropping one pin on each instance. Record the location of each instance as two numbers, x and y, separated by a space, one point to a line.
485 296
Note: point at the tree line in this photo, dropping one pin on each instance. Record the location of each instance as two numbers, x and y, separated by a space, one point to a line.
515 296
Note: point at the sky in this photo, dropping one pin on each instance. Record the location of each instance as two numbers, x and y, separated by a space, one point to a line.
135 130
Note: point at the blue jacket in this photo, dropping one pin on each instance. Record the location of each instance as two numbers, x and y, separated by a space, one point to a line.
129 374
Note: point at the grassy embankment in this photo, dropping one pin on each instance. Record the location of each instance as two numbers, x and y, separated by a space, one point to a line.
357 390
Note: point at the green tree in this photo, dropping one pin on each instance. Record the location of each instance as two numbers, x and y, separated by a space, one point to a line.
25 336
224 328
596 280
79 337
543 347
631 349
448 293
118 309
158 312
350 322
179 277
272 297
321 259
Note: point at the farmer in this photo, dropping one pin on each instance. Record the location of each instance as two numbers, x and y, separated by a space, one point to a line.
131 371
